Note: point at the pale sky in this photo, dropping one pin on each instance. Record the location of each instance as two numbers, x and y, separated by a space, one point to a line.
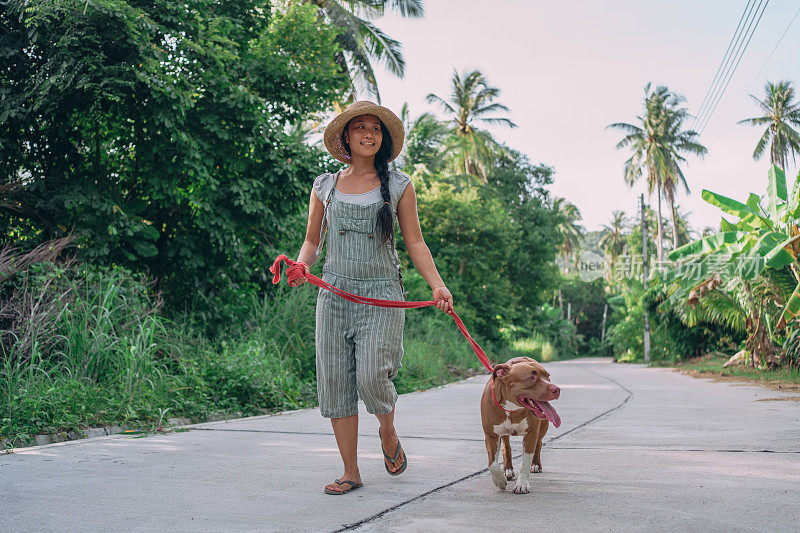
568 69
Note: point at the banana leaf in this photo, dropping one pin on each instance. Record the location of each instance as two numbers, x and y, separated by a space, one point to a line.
770 247
707 244
728 205
780 250
756 221
791 310
754 202
776 191
794 203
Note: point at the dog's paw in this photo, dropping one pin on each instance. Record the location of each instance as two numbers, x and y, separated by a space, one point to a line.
498 477
536 469
509 473
522 487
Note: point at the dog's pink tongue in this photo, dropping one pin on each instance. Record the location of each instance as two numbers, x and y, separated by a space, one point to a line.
550 413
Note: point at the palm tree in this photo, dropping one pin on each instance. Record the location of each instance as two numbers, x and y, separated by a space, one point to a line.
472 101
780 114
675 143
425 142
568 229
657 146
364 43
613 241
680 226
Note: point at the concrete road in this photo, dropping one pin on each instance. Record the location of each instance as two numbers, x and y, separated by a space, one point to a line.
639 449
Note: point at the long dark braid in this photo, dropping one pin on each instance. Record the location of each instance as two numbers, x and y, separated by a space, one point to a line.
385 217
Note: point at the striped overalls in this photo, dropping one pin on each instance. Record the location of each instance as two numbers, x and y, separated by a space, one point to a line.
358 347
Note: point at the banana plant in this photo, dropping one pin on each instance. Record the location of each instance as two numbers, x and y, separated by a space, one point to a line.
760 233
763 234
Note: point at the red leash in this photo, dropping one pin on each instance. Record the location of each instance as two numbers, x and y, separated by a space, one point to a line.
297 270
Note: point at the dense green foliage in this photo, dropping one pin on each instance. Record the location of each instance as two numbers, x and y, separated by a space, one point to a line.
158 134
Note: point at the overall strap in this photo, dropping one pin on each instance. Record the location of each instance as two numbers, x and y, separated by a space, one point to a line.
323 229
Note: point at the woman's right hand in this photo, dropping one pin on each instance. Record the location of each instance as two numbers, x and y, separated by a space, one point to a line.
299 281
443 299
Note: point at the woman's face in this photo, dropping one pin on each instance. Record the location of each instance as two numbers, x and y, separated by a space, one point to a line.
364 136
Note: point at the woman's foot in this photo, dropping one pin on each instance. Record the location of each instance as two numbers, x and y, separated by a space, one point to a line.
393 454
344 484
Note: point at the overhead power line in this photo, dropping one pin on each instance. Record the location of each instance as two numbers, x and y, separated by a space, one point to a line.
764 64
732 71
724 61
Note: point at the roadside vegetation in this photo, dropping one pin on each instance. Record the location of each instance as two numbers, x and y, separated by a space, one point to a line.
786 378
144 196
729 295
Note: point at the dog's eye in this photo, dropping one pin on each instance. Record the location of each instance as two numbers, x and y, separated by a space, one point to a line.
534 377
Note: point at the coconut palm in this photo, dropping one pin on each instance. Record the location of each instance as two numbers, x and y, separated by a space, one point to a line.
568 229
362 41
472 102
657 145
674 144
425 143
780 114
613 240
680 225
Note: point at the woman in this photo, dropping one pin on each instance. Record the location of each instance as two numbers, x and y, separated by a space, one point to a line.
359 347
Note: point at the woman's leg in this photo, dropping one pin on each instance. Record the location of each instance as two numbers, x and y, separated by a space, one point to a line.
346 432
389 439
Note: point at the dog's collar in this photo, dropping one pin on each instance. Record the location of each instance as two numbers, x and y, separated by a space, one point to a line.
498 403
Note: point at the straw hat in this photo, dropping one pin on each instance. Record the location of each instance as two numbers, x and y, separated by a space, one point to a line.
333 133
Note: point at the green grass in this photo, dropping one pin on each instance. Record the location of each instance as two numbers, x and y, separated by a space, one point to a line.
711 366
535 346
435 352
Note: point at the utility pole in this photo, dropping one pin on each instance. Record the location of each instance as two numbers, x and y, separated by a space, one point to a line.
603 327
644 281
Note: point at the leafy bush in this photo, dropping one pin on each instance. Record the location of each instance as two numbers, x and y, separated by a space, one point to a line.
670 337
791 348
455 224
545 332
167 156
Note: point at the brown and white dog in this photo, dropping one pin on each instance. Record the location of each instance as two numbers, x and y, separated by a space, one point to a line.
516 402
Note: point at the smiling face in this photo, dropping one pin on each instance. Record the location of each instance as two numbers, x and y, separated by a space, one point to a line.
364 136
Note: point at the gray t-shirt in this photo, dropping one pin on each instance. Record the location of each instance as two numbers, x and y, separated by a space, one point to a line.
397 184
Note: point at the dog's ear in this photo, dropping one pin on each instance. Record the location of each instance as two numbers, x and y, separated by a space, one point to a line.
500 370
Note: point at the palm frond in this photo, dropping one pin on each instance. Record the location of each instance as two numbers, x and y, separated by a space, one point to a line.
384 48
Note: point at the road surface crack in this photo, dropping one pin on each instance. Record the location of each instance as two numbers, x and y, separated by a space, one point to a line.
350 527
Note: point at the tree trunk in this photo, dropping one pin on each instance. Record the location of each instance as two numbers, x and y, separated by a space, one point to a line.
759 342
660 239
675 239
97 173
752 324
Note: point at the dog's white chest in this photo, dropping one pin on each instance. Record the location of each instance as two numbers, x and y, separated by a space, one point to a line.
507 428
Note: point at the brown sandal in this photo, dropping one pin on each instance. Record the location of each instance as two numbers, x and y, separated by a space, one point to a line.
353 486
393 460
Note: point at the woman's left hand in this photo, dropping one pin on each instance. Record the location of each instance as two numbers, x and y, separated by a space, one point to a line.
443 299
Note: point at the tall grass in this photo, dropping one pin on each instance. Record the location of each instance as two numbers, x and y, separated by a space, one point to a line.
435 352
